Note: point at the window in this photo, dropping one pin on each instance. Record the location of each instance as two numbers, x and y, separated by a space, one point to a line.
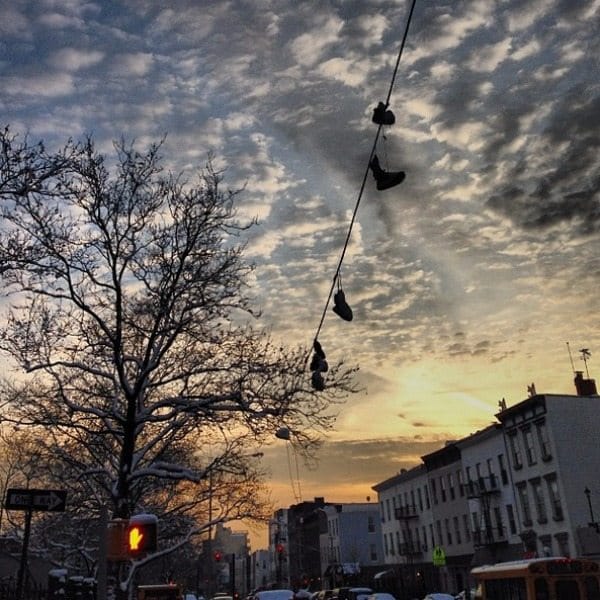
512 524
420 499
373 552
427 504
529 446
370 524
385 544
466 528
498 519
438 525
543 440
413 505
503 471
424 538
459 477
382 511
525 505
555 504
562 539
451 486
387 506
448 532
538 498
515 450
392 551
457 530
433 491
431 535
443 488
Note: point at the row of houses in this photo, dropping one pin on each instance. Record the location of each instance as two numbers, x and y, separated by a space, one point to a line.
524 486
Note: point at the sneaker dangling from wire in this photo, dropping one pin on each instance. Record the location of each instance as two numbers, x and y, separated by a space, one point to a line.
318 348
382 116
318 364
385 180
317 381
341 308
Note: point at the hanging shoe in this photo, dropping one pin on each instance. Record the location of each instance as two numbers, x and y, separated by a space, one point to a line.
341 308
318 364
389 180
317 381
318 349
385 179
381 116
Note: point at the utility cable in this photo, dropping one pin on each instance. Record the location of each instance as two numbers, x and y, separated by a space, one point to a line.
366 174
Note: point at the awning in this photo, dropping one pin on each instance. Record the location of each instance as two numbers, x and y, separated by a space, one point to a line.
383 573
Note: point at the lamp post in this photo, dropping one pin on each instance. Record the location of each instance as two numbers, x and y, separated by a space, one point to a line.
588 495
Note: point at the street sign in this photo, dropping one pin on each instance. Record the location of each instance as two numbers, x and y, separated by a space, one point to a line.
438 556
28 499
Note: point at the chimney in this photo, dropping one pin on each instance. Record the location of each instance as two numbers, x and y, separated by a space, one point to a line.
585 387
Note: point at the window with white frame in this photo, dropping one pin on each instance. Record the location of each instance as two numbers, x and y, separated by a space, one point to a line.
515 450
554 494
543 440
529 446
538 498
525 504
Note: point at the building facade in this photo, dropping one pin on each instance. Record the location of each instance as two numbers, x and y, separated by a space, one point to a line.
350 542
524 486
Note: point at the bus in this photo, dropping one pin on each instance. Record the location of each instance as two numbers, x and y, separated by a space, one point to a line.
553 578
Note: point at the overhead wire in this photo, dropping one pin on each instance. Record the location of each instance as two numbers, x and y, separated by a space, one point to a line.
366 174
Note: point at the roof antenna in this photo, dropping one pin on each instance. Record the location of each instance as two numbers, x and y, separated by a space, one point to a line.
571 358
585 355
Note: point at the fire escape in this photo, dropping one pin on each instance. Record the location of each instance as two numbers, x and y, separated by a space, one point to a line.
410 547
490 532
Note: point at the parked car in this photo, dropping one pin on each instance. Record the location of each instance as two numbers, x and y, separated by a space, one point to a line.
381 596
359 593
274 595
190 596
438 596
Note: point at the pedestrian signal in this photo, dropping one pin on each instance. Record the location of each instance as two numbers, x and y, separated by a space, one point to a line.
141 535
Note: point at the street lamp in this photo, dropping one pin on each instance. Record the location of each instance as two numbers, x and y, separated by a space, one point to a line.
588 495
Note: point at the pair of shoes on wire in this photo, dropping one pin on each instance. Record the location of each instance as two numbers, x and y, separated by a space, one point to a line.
318 366
382 116
385 179
341 307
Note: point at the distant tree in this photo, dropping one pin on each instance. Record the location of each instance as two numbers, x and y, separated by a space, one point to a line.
130 318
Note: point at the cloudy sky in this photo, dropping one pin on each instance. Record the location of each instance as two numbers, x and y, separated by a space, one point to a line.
466 280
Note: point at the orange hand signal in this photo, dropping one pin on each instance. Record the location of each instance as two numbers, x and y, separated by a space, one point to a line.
135 538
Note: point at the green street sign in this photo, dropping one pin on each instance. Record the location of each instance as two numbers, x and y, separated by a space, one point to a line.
439 556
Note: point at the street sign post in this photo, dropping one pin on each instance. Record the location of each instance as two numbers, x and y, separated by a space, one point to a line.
29 499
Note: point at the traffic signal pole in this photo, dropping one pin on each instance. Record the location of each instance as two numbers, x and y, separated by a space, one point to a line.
232 574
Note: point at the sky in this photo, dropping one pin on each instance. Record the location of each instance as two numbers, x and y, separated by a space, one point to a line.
466 281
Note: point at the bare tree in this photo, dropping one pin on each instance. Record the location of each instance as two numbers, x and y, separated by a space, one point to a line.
131 319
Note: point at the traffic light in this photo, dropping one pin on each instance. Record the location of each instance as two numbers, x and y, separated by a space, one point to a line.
280 549
141 535
217 555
